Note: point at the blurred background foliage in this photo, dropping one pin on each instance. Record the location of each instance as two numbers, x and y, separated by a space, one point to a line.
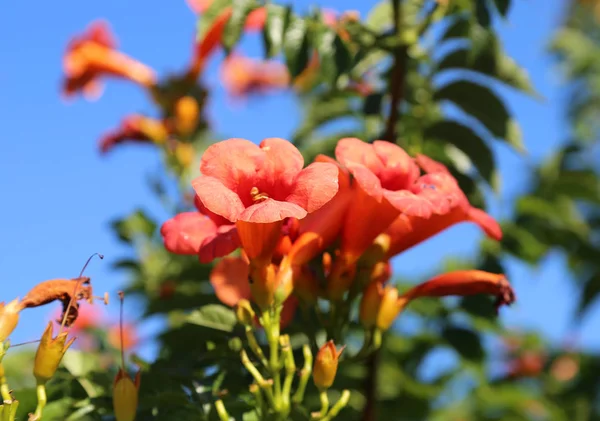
437 66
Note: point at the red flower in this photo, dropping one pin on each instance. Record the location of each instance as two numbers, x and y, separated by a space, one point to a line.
386 184
409 230
243 76
136 129
93 55
257 187
196 233
213 36
464 283
130 336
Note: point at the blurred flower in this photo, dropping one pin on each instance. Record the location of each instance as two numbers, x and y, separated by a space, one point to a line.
49 354
309 76
257 187
130 336
326 364
529 363
135 128
244 76
213 36
93 55
564 368
9 318
89 317
186 115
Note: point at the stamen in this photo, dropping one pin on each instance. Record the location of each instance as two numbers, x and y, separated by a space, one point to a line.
257 196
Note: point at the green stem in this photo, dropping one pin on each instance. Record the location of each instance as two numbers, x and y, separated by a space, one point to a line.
290 370
324 406
5 390
13 410
41 400
274 365
251 368
255 347
260 403
221 411
339 405
304 375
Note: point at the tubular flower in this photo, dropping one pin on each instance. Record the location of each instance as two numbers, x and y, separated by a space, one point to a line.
326 364
214 35
379 306
49 354
9 318
135 129
93 55
257 187
464 283
409 230
60 290
125 396
244 76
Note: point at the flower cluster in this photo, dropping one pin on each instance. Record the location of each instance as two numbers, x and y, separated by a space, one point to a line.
327 230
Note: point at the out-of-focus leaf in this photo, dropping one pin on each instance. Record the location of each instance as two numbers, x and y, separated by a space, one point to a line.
380 16
523 244
459 28
235 25
136 224
322 112
465 342
483 104
296 46
503 6
333 54
468 142
214 316
277 20
591 291
208 17
482 13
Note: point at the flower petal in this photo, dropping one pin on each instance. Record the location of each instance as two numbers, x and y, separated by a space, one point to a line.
315 186
409 203
282 164
229 278
353 150
185 232
217 198
217 219
398 169
431 165
486 223
271 210
223 242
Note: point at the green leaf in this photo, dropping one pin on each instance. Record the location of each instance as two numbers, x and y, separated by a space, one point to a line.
210 15
482 13
213 316
275 25
591 291
468 142
333 54
490 60
459 28
235 26
465 341
135 225
503 6
483 104
322 112
380 17
372 104
296 46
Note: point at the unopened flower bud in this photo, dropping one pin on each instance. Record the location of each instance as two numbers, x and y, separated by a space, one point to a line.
9 317
326 365
49 354
244 313
380 306
186 115
125 396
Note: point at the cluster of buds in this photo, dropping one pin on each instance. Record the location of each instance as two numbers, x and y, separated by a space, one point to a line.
286 235
52 348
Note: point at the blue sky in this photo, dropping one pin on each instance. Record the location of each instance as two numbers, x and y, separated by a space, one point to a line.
59 194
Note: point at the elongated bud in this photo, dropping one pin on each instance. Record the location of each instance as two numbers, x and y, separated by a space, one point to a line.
244 313
186 115
9 318
464 283
125 389
380 306
263 284
326 364
49 354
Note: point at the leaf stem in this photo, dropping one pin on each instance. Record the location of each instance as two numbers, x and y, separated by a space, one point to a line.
304 375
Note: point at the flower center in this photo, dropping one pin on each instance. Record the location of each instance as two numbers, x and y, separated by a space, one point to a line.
257 196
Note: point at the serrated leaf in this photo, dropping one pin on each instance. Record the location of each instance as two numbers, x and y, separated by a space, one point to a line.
468 142
210 15
275 25
483 104
235 25
213 316
488 59
296 46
